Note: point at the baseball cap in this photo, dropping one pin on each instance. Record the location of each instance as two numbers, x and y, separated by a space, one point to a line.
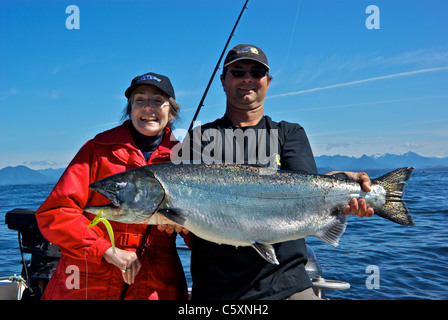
246 52
154 79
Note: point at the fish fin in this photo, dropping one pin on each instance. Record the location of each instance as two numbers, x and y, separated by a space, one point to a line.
395 209
341 176
268 166
333 231
173 215
267 251
270 162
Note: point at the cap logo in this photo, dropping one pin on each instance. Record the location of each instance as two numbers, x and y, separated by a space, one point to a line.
248 49
149 77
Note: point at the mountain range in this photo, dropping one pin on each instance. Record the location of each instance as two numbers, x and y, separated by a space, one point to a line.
385 161
24 175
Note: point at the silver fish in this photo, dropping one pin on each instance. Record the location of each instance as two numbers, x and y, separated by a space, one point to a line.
236 205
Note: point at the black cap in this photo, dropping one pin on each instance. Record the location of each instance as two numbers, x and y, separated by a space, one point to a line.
246 52
153 79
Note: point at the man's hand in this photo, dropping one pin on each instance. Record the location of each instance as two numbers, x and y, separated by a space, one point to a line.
358 206
165 224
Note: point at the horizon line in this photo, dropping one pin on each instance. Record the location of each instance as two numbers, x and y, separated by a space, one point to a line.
315 156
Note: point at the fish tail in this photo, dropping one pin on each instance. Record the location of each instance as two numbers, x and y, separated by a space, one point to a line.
395 209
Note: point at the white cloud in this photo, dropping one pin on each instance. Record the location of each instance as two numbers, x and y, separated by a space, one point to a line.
351 83
10 93
53 94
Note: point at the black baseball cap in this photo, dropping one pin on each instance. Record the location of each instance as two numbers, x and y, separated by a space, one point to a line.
153 79
246 52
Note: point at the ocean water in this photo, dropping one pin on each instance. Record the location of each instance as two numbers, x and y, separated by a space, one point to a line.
380 259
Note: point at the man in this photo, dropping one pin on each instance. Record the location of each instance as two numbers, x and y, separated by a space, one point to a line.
226 272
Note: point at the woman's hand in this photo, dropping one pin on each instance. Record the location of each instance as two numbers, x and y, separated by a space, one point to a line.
126 261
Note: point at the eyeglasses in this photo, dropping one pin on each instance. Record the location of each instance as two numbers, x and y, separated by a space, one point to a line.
256 73
154 103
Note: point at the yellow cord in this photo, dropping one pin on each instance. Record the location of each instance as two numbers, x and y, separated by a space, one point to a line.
109 229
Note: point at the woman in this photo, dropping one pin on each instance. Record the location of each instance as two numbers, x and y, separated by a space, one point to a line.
88 268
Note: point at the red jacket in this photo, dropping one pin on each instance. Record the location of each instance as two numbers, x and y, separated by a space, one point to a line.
63 222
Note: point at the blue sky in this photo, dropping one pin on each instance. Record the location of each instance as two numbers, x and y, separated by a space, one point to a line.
355 90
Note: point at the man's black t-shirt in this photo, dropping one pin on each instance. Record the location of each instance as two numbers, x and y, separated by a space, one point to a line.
227 272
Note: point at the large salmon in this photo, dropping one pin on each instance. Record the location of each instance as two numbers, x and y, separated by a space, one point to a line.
236 205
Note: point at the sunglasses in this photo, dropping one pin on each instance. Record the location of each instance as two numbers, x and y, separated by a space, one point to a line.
256 73
153 103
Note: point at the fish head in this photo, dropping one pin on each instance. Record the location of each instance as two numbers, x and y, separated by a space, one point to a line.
134 196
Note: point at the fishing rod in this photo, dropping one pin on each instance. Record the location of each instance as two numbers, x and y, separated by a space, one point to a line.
201 103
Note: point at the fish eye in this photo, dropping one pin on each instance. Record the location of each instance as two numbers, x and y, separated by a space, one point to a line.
121 185
118 186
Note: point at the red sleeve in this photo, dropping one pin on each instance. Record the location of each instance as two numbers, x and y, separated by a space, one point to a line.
60 217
